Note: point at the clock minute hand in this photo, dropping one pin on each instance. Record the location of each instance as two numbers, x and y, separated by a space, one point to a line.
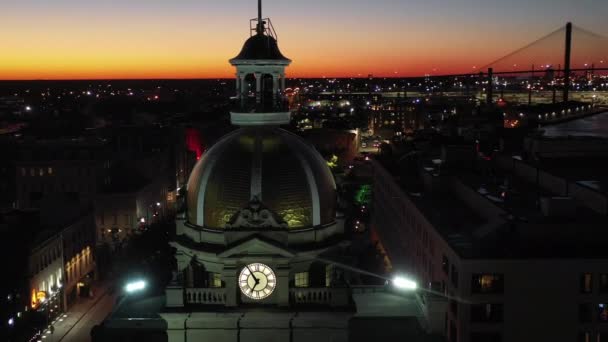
257 281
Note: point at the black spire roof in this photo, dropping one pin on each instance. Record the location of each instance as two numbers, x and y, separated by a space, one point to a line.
261 46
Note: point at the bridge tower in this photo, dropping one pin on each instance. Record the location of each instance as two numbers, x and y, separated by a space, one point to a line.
568 54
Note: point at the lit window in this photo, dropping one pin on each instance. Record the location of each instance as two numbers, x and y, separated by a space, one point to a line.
50 170
586 283
301 279
41 172
487 283
215 280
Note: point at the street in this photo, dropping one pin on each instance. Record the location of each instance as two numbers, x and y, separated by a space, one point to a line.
79 330
76 324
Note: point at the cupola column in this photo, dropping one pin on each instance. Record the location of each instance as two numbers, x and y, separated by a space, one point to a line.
244 87
275 86
283 84
258 87
239 92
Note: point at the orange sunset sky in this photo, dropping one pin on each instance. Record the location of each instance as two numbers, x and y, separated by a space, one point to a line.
67 39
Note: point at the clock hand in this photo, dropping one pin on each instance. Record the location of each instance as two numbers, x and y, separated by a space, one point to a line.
254 278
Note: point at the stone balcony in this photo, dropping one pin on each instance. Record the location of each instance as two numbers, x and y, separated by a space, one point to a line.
206 296
333 297
177 296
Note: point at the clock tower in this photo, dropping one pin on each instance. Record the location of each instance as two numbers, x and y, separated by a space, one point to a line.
261 219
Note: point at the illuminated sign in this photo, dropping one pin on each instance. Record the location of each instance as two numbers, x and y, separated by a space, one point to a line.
41 296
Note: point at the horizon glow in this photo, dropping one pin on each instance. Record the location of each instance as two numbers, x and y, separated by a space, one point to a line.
138 39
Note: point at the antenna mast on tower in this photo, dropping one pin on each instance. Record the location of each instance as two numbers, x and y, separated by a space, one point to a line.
260 22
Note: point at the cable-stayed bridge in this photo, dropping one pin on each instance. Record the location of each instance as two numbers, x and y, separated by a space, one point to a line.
561 58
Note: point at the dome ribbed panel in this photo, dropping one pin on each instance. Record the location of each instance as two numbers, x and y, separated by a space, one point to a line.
229 185
325 183
284 183
194 183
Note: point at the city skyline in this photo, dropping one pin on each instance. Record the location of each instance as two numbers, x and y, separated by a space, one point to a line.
192 39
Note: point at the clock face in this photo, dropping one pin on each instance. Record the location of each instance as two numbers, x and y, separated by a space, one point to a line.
257 281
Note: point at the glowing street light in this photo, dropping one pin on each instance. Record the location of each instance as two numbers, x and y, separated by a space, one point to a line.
135 286
404 283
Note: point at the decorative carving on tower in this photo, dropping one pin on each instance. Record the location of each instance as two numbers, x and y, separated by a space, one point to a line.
255 215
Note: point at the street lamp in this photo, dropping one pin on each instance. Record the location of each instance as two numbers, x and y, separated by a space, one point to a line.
135 286
130 288
403 283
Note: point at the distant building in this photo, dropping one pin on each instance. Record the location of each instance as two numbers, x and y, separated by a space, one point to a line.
52 249
139 182
7 173
46 168
12 106
513 251
126 173
342 143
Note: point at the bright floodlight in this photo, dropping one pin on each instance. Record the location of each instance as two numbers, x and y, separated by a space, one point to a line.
135 286
404 283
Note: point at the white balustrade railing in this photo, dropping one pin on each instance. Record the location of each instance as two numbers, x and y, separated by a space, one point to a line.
207 296
305 295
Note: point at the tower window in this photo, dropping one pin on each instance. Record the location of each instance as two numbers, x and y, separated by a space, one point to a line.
301 279
215 280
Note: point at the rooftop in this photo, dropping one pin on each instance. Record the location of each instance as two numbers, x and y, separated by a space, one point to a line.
260 47
499 215
528 231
